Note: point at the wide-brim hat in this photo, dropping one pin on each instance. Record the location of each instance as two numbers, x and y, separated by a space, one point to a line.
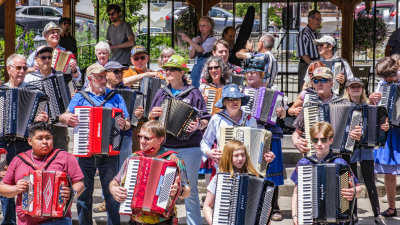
176 61
254 64
232 91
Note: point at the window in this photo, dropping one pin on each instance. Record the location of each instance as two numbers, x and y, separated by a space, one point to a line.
35 11
50 12
25 12
216 13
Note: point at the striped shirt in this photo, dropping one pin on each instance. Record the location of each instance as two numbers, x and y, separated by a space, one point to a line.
271 67
305 45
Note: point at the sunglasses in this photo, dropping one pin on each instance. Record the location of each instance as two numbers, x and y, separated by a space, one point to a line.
214 67
315 140
141 57
322 81
232 99
117 71
25 68
171 69
145 138
46 57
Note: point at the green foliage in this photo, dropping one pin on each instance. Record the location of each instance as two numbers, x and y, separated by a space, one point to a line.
241 8
157 43
24 40
364 35
86 56
273 17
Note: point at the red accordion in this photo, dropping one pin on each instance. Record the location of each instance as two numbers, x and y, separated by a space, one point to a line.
98 131
43 197
148 182
60 60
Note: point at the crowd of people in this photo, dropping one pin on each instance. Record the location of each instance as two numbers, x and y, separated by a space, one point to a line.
122 65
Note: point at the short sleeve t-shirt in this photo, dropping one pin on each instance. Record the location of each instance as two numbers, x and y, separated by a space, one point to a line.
64 162
118 35
212 186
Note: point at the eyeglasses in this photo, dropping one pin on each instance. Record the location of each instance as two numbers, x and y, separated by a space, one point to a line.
145 138
112 13
25 68
46 57
117 71
315 140
323 81
141 58
232 99
214 67
171 69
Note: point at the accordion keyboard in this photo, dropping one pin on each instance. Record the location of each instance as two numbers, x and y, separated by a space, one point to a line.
226 134
249 92
81 132
355 121
384 90
266 206
310 117
210 93
223 201
305 196
130 182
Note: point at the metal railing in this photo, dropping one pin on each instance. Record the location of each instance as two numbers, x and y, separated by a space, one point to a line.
86 55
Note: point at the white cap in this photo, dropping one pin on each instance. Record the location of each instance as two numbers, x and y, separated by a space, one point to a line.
325 39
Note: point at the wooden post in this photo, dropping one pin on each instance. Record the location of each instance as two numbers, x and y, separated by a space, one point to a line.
9 32
67 8
347 33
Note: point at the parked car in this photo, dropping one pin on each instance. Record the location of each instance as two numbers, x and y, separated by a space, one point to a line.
36 17
221 17
152 30
385 10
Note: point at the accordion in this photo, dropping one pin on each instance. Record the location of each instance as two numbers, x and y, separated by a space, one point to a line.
311 116
60 61
238 79
337 70
263 104
310 98
43 197
133 100
391 100
372 119
213 94
343 117
148 183
18 109
58 88
177 116
3 160
257 142
242 199
98 131
319 197
149 88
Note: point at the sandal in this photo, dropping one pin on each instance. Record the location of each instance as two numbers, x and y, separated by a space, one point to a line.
387 212
276 216
100 208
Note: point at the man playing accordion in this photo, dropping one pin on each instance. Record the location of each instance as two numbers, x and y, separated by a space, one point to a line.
151 136
13 184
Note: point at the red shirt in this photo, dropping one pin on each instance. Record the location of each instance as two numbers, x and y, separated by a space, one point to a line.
64 162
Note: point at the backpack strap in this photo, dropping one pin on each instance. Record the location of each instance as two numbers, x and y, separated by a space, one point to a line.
183 93
27 160
332 159
108 97
51 157
312 159
86 96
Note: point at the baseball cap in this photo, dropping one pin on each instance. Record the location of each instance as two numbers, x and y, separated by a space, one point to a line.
112 65
42 49
323 72
354 80
50 26
95 68
138 49
325 39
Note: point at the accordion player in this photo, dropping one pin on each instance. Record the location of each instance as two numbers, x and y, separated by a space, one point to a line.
257 142
148 183
98 131
18 109
242 199
391 100
263 104
177 116
213 95
43 197
319 197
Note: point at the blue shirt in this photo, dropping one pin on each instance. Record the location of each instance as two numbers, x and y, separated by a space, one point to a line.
115 102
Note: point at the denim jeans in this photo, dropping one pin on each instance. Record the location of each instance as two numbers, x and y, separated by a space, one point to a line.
195 75
107 166
192 158
126 150
8 204
62 221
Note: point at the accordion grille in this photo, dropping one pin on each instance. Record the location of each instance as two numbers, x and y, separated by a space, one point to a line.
116 137
344 183
2 115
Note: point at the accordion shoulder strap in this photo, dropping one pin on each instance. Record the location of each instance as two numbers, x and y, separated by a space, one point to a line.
167 153
183 93
314 160
246 116
109 96
27 160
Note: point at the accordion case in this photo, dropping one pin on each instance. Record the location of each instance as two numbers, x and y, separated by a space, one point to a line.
43 197
319 196
177 116
242 200
257 142
18 109
133 100
149 88
98 132
148 182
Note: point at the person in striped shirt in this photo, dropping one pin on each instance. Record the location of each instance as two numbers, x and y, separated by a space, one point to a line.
306 50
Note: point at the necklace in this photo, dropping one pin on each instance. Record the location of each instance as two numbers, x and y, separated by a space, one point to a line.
42 160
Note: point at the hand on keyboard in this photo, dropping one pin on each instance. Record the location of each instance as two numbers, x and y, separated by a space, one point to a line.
119 193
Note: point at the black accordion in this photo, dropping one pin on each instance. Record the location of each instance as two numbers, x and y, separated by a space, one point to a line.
237 79
177 116
391 100
343 117
58 88
149 88
372 119
18 109
242 199
133 100
319 197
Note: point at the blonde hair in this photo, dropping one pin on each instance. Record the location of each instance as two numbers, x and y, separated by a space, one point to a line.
363 98
226 165
322 127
